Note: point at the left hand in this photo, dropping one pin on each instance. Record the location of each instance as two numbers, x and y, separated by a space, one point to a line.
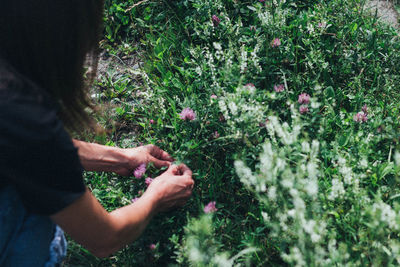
143 154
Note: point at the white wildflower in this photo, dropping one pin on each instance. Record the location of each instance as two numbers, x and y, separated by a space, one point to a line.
217 46
315 238
364 163
305 147
243 60
312 187
315 104
287 183
337 190
272 193
312 170
397 158
265 216
233 108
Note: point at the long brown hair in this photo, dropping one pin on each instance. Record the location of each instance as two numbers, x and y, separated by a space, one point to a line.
48 42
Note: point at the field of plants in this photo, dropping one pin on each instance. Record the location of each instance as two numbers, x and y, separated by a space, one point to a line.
288 113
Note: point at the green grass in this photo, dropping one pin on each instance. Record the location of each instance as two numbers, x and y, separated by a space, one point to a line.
348 62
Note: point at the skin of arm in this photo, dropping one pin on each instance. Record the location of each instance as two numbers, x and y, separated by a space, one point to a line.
104 233
95 157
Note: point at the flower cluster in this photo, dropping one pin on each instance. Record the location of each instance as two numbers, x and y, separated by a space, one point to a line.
276 42
187 114
251 87
279 88
140 170
210 207
361 116
304 100
216 21
148 181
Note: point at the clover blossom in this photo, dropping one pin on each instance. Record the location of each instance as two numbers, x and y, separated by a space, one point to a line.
276 42
303 109
140 170
187 114
250 87
216 21
304 98
279 88
210 207
365 109
148 181
152 246
214 97
360 117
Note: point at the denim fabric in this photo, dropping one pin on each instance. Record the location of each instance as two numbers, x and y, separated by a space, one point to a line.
58 248
27 239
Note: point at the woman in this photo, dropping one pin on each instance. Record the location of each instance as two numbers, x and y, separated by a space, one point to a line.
43 47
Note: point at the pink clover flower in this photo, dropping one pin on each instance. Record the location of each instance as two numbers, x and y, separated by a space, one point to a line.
139 171
304 98
279 88
187 114
210 207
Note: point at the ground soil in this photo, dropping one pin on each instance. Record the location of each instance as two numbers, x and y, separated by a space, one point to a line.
385 10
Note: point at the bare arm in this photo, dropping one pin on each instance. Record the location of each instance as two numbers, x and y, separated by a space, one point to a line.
103 233
95 157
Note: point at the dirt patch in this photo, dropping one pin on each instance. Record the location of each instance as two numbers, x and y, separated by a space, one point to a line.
385 10
111 69
121 64
114 73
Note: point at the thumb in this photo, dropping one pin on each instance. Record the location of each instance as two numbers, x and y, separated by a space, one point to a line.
159 163
174 169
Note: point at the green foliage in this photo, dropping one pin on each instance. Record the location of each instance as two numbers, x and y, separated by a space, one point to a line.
311 189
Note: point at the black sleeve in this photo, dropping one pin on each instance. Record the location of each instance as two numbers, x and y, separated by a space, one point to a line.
38 156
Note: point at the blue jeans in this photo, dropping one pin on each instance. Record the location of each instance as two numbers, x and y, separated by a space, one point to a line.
27 239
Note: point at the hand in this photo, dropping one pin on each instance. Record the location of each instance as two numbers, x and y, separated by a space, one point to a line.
143 154
172 188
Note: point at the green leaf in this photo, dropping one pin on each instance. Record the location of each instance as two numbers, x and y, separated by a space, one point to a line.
329 92
354 27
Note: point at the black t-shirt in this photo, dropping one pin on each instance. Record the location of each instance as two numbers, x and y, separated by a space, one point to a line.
37 155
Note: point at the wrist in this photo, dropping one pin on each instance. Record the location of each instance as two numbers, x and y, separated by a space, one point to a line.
116 159
95 157
154 198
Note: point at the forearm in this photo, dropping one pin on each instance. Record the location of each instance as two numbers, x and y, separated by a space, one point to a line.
103 233
132 221
95 157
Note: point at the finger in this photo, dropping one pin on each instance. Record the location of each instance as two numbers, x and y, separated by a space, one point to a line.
159 163
165 156
185 170
174 169
158 153
190 184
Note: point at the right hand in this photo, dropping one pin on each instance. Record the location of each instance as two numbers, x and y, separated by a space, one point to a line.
172 188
